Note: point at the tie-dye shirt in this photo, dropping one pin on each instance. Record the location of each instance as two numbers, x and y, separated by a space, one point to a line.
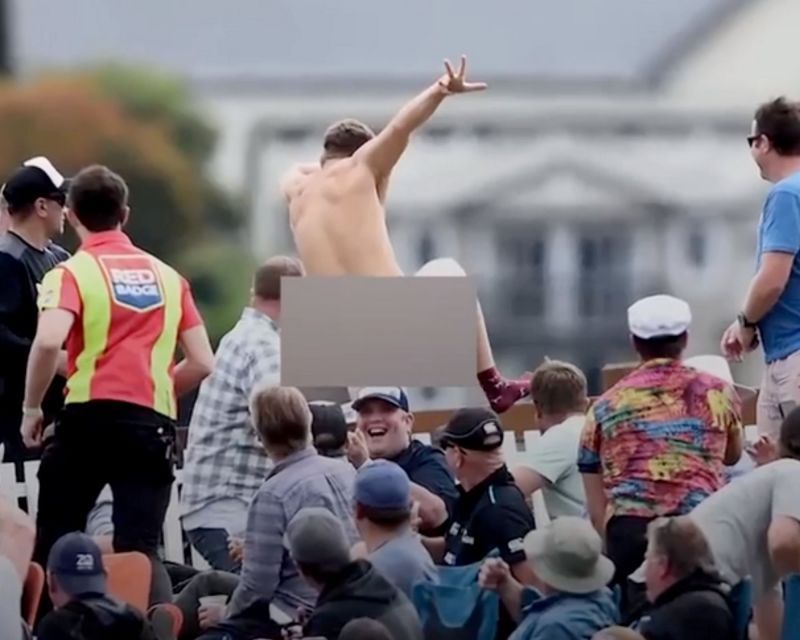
658 438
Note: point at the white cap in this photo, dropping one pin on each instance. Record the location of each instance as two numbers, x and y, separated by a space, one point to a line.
659 316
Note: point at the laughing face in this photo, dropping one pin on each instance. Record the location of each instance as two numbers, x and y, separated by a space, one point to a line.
387 428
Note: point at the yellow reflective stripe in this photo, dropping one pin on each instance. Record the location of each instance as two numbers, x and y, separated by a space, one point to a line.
49 291
96 318
163 353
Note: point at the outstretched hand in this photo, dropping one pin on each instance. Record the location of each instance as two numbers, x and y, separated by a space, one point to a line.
452 82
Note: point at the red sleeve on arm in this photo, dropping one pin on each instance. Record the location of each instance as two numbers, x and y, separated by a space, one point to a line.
59 290
190 316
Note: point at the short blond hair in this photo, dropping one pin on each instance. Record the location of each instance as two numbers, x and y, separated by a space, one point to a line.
282 418
559 387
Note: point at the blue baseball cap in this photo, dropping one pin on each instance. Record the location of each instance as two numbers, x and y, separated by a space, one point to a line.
395 396
384 486
77 563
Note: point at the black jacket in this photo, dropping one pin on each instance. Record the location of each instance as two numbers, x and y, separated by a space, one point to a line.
359 591
94 618
696 608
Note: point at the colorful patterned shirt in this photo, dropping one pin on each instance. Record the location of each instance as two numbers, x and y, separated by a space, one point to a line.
659 437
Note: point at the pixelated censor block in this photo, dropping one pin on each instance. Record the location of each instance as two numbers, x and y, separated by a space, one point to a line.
363 331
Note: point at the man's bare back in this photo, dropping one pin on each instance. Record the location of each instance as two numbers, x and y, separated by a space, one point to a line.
339 223
337 215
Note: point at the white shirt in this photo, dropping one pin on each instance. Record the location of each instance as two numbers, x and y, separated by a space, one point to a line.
555 458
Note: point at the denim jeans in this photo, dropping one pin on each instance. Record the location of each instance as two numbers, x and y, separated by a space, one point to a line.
212 544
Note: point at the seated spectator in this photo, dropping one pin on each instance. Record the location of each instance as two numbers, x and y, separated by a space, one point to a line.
384 425
347 589
17 535
490 513
224 464
383 518
688 596
76 582
559 395
203 600
364 629
655 443
574 602
300 478
753 527
329 429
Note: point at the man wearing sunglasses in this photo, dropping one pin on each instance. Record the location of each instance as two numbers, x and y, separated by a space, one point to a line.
771 310
490 514
34 195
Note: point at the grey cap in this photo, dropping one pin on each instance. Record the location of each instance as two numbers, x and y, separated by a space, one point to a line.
316 536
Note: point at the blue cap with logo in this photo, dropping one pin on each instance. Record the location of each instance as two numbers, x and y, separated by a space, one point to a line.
384 486
77 563
395 396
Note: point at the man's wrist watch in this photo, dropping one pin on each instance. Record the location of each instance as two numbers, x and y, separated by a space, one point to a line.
744 322
32 412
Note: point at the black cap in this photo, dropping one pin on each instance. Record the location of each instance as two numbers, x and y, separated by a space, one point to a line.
474 429
328 427
36 178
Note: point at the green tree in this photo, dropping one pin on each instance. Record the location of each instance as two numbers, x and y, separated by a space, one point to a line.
164 101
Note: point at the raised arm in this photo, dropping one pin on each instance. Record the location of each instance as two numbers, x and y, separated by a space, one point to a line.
382 152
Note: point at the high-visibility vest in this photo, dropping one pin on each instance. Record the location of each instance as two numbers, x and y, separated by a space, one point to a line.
128 308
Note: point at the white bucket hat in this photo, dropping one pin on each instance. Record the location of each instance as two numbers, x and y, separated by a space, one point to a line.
719 367
567 555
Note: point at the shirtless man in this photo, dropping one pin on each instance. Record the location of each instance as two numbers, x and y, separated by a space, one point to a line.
337 216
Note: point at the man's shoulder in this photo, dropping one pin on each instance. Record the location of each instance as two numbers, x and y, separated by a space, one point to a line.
60 253
790 185
11 247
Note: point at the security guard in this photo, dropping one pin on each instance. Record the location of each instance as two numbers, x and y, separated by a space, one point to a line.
490 514
122 313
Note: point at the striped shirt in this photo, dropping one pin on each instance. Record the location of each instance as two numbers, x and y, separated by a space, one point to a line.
224 462
304 479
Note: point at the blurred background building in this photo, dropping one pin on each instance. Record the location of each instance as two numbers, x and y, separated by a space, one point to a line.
606 162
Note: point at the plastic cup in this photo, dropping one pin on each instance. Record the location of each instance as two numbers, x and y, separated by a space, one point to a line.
213 601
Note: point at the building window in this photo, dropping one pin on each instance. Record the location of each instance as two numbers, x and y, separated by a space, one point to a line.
523 257
605 274
425 249
696 247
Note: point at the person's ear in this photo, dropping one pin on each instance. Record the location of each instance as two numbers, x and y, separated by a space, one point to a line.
125 216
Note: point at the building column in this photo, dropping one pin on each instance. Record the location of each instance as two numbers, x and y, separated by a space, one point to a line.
561 278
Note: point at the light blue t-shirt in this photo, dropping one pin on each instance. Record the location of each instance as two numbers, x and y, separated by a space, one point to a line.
404 562
779 231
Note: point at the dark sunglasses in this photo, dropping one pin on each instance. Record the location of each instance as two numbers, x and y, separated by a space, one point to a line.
751 140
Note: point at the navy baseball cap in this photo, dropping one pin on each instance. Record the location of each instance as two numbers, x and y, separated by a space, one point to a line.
395 396
474 429
384 486
36 178
77 563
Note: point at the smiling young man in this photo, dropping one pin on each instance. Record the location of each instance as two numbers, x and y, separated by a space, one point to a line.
383 430
771 310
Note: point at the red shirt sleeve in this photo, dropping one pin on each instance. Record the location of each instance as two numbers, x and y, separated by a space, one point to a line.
190 316
59 290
